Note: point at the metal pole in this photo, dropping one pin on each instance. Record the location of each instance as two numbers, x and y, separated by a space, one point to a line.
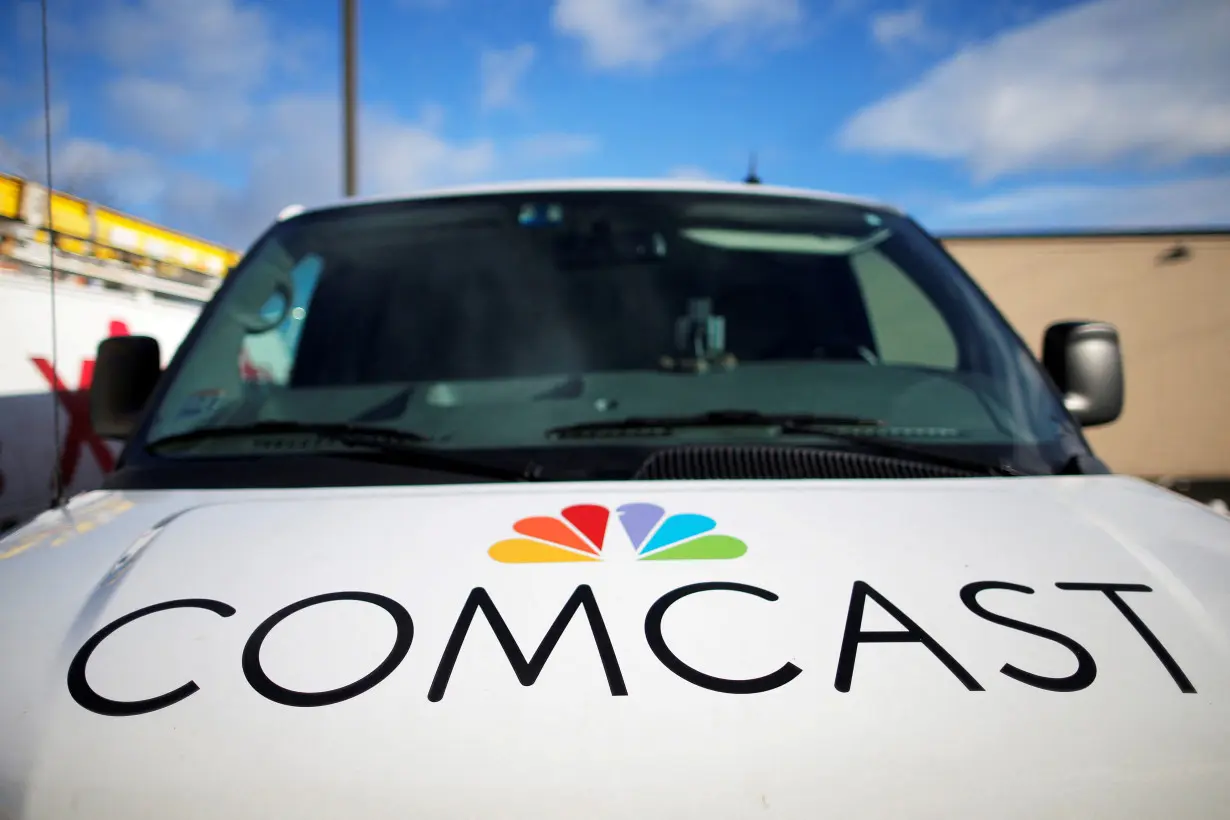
349 34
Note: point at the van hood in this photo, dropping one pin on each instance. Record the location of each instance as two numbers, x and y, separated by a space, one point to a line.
931 648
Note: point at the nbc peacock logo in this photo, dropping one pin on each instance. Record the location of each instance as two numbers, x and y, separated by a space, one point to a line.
580 533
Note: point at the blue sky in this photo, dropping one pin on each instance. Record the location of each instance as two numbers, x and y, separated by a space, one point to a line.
210 115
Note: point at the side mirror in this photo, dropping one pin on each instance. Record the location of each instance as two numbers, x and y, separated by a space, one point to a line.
125 373
1086 364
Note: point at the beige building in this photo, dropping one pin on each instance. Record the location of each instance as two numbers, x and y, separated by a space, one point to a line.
1169 295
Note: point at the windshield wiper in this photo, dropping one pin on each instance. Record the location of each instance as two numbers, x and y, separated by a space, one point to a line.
384 443
715 418
791 424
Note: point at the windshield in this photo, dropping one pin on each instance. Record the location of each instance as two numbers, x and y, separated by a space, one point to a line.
485 322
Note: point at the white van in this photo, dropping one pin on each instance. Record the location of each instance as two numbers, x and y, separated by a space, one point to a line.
374 545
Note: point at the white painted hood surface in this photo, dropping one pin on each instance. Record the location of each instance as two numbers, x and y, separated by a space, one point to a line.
1145 734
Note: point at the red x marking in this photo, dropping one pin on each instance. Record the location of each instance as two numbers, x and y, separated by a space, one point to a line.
77 404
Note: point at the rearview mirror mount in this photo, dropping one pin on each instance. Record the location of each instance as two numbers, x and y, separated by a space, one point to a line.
1084 360
126 371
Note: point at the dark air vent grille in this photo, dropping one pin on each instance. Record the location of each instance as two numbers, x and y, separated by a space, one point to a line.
743 462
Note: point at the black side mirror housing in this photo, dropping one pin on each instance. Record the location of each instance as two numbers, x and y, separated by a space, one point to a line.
126 371
1084 360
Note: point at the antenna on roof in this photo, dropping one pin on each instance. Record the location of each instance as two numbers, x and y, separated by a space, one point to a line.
752 177
59 494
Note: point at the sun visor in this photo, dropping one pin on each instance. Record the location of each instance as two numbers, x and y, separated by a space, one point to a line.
778 242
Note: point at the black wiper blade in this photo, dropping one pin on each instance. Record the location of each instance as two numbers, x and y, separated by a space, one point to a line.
261 428
715 418
385 443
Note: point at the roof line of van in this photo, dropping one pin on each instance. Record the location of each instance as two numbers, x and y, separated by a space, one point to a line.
1088 233
612 184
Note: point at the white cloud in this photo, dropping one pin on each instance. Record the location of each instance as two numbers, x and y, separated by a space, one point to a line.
431 116
188 71
15 160
64 33
502 72
1173 203
219 90
124 177
640 33
198 75
1096 84
178 116
297 159
226 42
549 147
34 129
894 28
689 172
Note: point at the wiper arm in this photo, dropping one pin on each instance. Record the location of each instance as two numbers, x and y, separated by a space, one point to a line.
716 418
388 444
